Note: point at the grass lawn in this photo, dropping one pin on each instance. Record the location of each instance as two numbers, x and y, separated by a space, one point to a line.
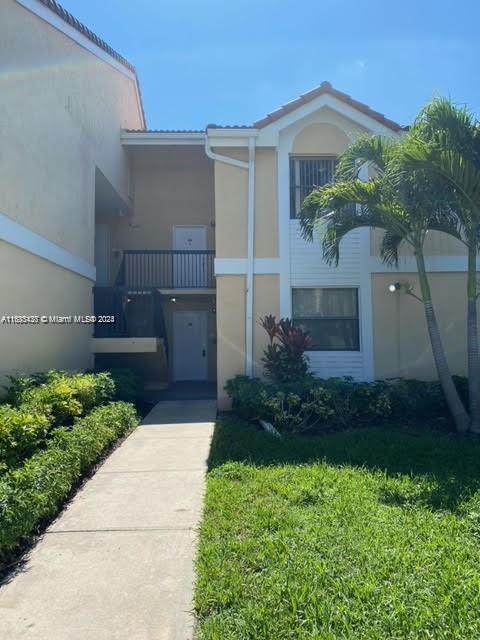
370 534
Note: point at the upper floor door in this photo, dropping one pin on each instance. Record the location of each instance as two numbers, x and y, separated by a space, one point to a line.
190 269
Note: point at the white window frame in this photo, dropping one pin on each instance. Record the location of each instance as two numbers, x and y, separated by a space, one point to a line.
359 315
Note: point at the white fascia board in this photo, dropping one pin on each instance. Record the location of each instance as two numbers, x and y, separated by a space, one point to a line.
27 240
54 20
238 266
231 137
268 135
146 138
243 132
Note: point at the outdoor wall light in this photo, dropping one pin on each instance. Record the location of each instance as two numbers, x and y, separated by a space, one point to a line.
395 286
173 299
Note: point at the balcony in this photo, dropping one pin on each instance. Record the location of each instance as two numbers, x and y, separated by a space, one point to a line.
166 270
135 299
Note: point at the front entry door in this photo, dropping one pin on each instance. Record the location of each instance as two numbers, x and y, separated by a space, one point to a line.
189 269
189 345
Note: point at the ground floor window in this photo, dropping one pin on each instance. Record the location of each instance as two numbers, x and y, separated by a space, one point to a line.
330 315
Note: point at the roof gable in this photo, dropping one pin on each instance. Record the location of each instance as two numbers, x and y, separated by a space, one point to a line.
326 89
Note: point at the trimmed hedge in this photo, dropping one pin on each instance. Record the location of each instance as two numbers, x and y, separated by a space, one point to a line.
35 492
61 395
43 402
338 402
21 433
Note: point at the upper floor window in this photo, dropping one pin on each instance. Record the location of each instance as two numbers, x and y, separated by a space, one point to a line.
307 173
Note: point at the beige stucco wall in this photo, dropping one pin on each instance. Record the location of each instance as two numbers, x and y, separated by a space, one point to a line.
266 209
320 138
61 113
231 185
172 186
230 332
32 286
231 193
266 300
401 342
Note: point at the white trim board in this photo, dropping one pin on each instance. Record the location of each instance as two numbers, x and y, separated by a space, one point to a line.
23 238
54 20
238 266
154 138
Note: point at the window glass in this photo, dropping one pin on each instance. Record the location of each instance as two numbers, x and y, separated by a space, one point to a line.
330 315
305 175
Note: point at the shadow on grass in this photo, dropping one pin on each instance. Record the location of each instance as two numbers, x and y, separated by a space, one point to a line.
450 463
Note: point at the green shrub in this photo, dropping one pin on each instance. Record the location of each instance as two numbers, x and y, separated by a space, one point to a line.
62 395
286 407
292 413
128 383
34 493
21 433
357 402
249 397
338 402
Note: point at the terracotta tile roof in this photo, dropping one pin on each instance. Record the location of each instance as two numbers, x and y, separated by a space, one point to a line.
164 131
326 88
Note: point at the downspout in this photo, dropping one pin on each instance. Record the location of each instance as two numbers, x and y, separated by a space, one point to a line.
250 167
250 244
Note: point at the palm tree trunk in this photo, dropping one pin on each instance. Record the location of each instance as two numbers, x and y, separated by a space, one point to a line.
472 341
452 398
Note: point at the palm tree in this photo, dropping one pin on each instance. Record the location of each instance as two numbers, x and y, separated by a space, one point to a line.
445 142
406 206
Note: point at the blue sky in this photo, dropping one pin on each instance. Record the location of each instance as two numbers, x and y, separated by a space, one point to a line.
229 62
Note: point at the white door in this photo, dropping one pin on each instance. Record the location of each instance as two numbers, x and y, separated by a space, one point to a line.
102 254
189 269
189 345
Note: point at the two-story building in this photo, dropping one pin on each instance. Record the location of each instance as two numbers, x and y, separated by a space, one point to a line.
186 238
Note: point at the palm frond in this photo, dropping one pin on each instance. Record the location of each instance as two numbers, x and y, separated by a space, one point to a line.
333 197
447 221
460 172
449 126
391 242
375 151
341 222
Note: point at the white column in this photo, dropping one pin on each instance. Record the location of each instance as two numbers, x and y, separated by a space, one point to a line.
283 193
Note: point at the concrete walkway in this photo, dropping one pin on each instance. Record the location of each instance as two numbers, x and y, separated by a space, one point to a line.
118 563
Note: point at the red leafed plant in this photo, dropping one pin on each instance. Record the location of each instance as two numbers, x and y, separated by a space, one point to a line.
284 358
270 325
